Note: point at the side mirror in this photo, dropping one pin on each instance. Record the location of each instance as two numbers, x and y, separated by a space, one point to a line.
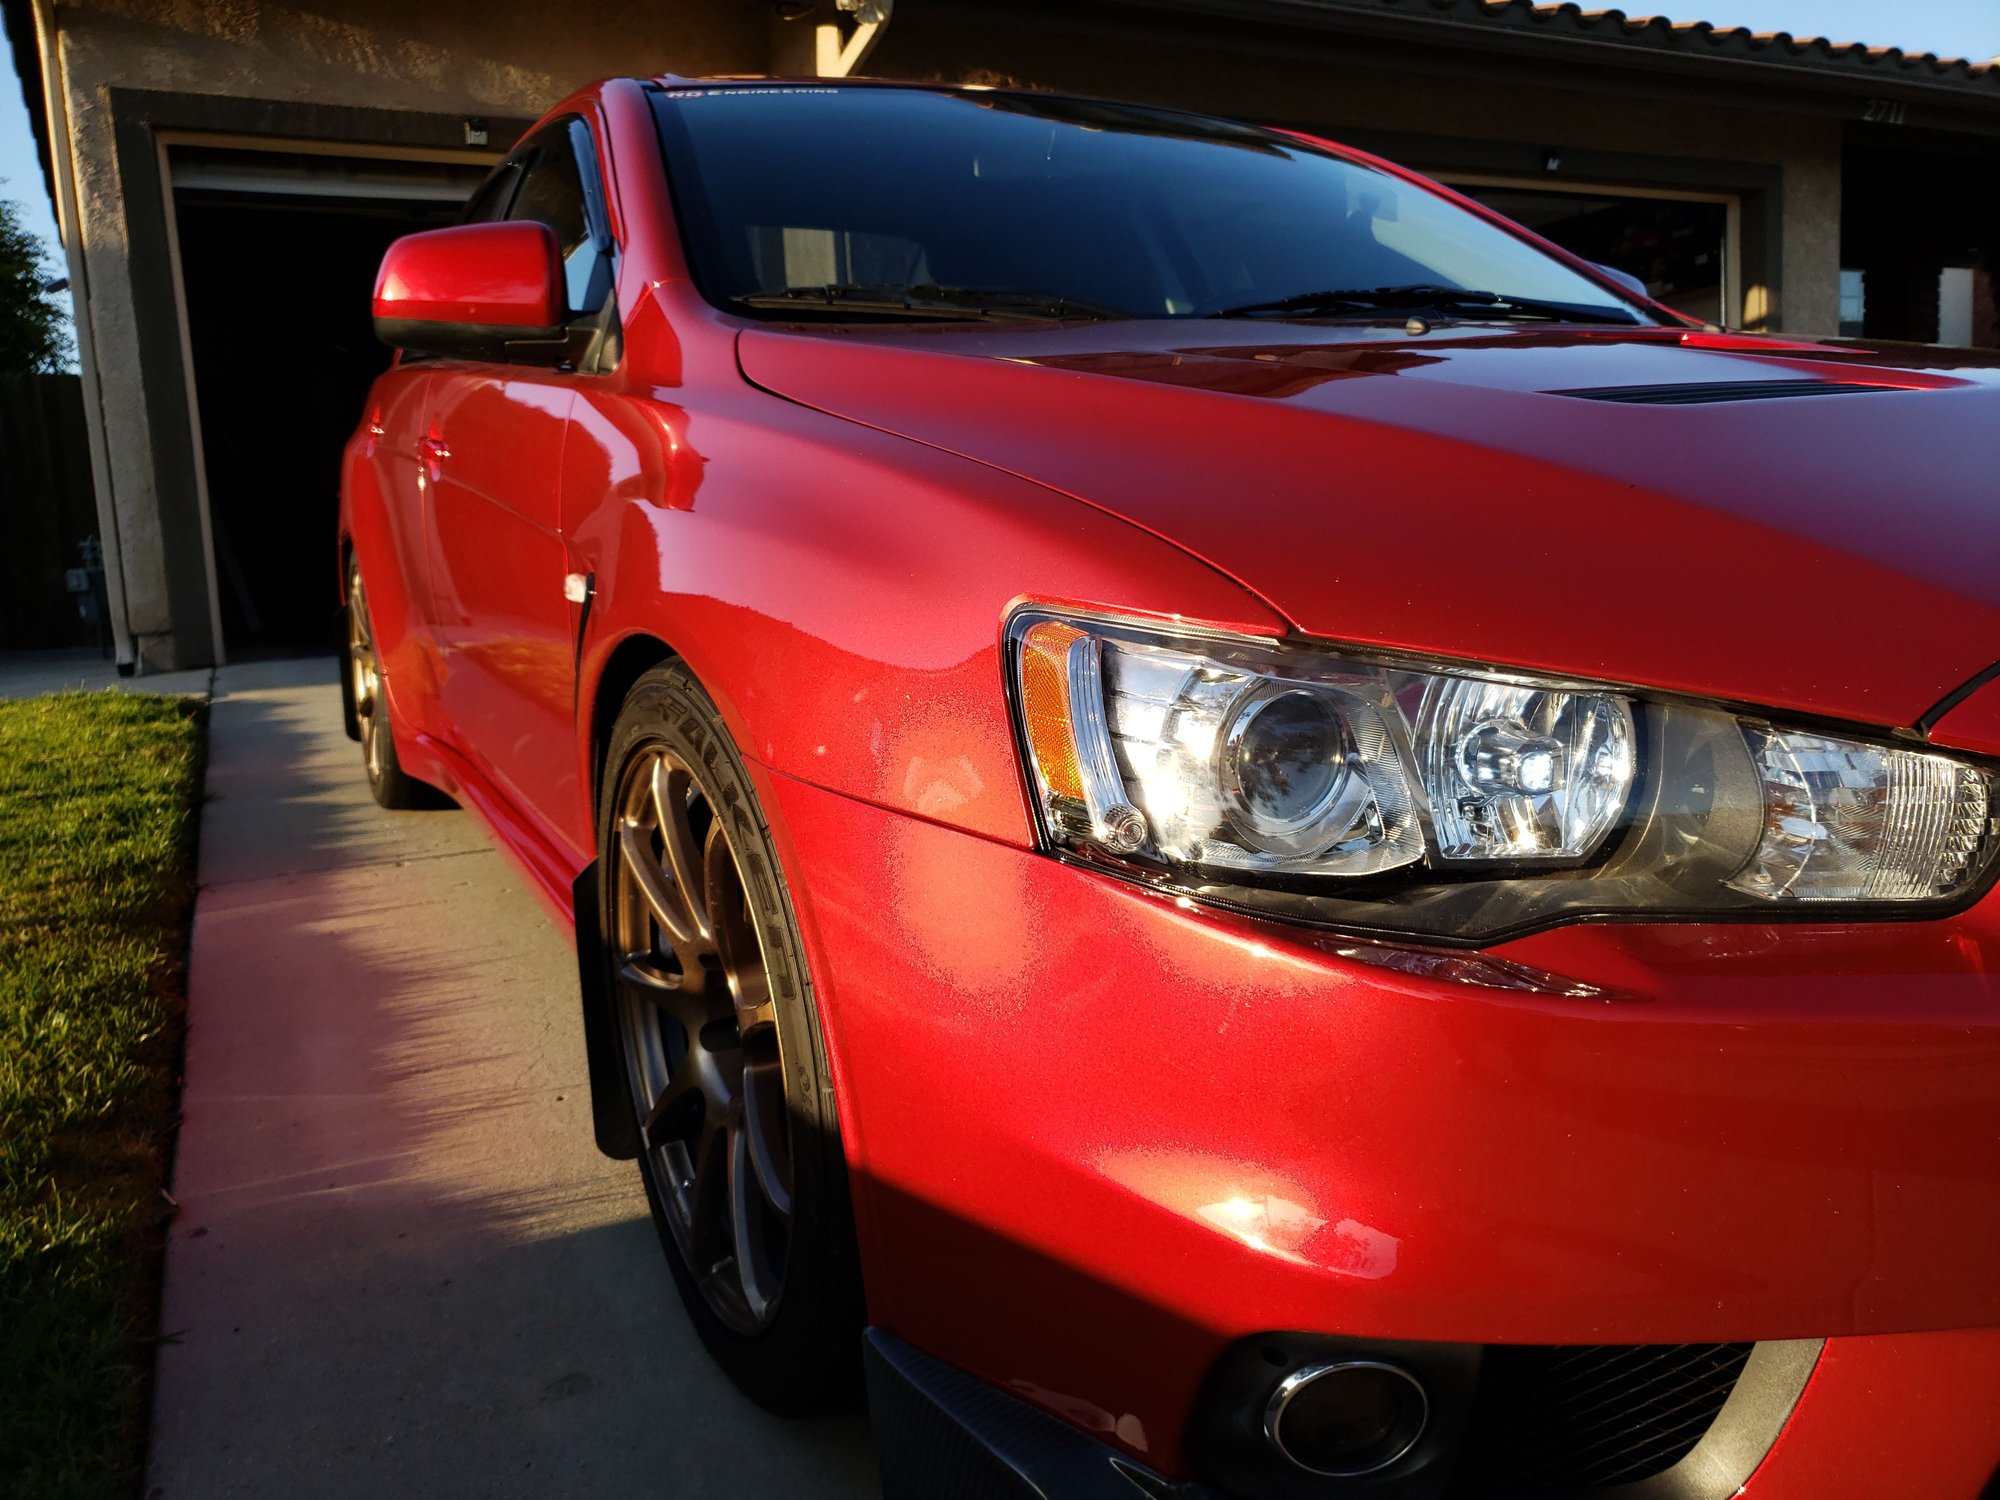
476 291
1625 279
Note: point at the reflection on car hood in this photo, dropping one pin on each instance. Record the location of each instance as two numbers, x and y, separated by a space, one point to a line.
1810 526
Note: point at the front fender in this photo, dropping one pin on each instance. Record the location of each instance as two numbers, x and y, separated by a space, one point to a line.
840 592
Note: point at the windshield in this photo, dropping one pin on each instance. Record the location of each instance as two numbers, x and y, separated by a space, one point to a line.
900 202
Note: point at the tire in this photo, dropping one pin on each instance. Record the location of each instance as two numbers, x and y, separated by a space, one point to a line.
391 787
723 1055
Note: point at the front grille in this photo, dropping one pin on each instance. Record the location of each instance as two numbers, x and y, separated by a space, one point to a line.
1566 1419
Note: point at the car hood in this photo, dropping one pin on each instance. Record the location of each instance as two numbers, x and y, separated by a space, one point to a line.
1815 527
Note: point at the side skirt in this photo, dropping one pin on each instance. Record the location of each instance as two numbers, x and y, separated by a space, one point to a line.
544 868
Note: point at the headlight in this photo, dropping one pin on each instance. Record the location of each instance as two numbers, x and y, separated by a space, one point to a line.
1467 805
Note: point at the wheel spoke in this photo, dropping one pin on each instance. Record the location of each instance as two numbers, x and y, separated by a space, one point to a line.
646 979
709 1243
765 1133
736 943
679 1106
750 1269
670 787
654 884
751 992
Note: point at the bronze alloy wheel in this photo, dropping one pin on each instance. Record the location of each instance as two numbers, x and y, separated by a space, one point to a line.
730 1080
364 672
391 786
703 1049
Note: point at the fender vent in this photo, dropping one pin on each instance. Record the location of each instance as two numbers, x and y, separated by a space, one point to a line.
1568 1419
1732 390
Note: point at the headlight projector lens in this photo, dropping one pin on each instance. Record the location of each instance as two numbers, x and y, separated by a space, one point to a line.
1284 771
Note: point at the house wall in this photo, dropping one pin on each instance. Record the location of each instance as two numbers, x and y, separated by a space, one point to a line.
481 58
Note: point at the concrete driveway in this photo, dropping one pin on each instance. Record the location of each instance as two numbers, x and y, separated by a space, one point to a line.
400 1267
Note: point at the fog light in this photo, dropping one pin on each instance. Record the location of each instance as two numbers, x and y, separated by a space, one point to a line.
1346 1419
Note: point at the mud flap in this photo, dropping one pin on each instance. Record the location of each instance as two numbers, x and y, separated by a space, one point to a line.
610 1102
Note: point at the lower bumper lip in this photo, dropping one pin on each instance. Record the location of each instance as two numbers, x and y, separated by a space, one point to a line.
1909 1415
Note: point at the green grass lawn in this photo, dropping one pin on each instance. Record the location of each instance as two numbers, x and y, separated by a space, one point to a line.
97 803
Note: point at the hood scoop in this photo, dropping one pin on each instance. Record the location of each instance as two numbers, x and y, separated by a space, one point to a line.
1711 392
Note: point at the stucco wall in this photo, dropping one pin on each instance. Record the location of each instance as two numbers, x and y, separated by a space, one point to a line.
471 57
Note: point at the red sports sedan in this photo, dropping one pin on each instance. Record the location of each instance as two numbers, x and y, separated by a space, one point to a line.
1248 832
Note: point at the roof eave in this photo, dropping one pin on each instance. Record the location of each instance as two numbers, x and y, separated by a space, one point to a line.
1513 33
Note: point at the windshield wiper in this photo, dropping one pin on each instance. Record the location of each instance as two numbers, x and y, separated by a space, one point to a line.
1445 299
943 302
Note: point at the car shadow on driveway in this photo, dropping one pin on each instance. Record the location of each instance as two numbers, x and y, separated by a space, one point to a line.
400 1266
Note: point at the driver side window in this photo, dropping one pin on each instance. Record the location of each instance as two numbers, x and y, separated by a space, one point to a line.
558 188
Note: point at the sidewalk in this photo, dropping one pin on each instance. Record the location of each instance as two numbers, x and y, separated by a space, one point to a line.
400 1266
29 674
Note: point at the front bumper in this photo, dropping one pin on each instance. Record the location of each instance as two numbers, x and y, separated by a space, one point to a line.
1906 1416
1098 1136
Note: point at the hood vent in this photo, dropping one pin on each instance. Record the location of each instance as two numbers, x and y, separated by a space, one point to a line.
1731 390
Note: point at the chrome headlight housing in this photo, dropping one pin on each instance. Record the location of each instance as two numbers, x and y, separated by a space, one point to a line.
1465 804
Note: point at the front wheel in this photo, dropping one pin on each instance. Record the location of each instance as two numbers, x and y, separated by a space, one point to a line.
726 1063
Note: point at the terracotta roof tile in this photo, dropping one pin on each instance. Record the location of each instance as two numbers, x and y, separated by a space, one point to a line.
1703 39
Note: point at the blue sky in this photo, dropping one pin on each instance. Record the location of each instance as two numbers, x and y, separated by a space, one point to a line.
20 175
1957 28
20 171
1950 28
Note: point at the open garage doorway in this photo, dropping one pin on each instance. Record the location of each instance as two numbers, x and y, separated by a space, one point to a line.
277 252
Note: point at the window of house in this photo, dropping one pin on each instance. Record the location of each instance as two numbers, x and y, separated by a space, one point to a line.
1853 302
1957 294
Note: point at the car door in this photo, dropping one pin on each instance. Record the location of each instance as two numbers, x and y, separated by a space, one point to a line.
405 622
491 453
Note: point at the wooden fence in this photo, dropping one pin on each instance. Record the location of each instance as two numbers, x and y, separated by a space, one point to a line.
46 511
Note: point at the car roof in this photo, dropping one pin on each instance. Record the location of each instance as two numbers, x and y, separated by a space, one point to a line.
679 81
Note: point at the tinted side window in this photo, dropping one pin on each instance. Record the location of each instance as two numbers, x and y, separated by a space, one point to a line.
553 192
490 202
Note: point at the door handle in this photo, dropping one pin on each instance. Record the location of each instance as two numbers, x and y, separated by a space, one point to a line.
431 454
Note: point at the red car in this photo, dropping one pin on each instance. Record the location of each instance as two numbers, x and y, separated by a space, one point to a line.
1250 832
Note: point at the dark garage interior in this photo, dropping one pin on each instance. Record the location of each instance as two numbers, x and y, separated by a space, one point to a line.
278 255
1920 236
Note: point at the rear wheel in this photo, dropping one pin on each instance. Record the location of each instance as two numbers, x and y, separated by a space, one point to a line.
386 779
725 1061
